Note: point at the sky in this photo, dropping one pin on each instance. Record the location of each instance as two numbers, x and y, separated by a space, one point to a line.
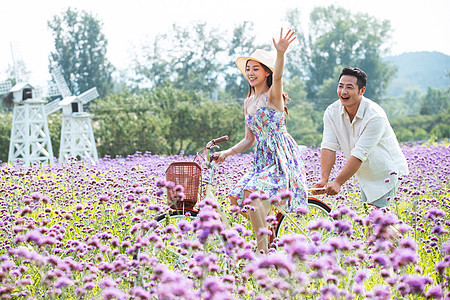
417 25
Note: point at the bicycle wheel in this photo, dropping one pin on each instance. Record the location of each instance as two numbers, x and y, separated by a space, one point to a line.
303 223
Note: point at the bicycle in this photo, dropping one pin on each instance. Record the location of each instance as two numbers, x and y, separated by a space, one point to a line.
189 175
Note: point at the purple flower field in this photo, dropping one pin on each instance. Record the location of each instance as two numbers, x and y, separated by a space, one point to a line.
82 231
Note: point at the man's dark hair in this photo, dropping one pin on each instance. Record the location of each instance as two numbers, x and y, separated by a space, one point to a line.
361 77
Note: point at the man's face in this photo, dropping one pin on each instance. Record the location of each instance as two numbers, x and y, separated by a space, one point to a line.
349 93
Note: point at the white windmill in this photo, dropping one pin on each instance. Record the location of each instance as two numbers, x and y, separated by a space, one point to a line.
5 87
30 136
77 136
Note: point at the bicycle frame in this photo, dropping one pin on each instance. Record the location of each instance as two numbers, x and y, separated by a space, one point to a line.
211 166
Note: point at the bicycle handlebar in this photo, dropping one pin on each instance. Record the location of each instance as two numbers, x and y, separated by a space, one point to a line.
218 140
210 145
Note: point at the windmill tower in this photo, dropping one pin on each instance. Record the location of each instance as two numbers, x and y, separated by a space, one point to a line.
77 136
30 137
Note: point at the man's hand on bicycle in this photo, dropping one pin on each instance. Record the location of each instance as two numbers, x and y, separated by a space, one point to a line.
330 188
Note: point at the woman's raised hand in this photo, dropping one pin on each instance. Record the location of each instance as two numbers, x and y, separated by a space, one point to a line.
284 42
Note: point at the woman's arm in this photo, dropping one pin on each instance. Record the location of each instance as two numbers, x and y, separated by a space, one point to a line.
275 97
244 144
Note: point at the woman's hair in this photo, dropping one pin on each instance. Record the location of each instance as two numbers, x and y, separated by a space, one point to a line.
269 81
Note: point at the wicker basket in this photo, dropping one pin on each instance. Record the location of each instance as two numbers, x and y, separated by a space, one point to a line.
189 175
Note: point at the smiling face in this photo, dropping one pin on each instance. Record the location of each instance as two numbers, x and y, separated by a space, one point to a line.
349 93
255 73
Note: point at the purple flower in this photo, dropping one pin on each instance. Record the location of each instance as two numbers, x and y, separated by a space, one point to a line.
178 188
381 259
275 200
439 230
381 292
160 182
103 198
170 184
245 254
302 210
139 190
264 231
446 247
185 226
343 226
321 263
62 282
360 276
321 223
299 249
36 196
107 282
434 212
140 293
275 260
434 292
287 195
417 283
340 243
403 256
114 293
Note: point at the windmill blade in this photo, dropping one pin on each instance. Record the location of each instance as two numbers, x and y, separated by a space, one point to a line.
5 86
52 90
52 107
89 95
18 63
60 81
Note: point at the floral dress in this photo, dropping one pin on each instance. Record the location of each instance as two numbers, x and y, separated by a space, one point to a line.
278 166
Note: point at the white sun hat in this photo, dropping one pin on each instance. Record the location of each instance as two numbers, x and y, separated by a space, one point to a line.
262 56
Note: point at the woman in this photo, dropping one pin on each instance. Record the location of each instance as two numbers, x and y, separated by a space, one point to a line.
277 164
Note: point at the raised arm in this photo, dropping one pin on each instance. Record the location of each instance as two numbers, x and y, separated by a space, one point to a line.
275 97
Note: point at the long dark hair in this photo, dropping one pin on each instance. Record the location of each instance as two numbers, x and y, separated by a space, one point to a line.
269 81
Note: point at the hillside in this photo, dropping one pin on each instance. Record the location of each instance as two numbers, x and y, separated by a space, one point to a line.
419 70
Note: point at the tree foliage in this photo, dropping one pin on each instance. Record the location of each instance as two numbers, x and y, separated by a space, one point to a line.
80 50
435 101
187 57
242 43
5 134
336 37
164 120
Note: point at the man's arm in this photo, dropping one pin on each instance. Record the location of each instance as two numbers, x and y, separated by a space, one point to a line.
327 160
350 168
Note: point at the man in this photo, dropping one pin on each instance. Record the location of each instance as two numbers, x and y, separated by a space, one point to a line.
361 129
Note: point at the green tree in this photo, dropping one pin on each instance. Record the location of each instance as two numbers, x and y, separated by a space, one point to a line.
327 92
164 120
80 50
435 101
404 105
186 57
304 123
5 134
336 37
126 123
295 88
242 44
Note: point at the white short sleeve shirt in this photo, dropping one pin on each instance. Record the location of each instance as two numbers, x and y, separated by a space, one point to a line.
370 138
